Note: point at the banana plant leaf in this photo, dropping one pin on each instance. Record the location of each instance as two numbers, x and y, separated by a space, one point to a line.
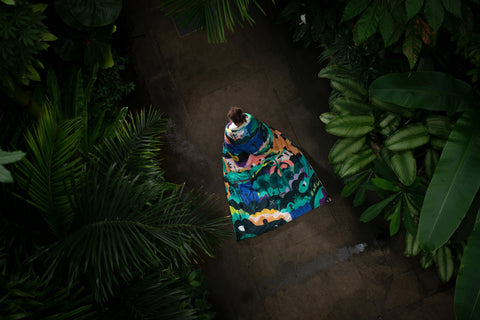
467 288
424 89
454 183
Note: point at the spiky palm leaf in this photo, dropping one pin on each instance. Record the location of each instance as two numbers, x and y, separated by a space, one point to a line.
135 145
50 167
215 16
126 224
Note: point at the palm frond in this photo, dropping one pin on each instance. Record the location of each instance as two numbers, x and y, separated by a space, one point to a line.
214 16
50 167
126 224
135 145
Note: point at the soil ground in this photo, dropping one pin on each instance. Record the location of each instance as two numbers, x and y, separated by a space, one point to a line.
324 265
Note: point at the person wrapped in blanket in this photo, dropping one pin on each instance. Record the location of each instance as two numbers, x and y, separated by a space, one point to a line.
268 180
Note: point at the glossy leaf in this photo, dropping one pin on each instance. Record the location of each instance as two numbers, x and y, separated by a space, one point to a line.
351 126
467 287
396 219
344 148
454 183
409 137
405 167
356 163
423 89
373 211
385 184
353 185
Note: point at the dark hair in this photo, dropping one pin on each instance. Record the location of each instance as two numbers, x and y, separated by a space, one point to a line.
236 115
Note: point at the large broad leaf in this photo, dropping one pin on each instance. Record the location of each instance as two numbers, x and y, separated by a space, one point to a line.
424 89
351 126
467 288
454 184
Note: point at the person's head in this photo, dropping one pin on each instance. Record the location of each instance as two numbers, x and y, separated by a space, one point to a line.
236 115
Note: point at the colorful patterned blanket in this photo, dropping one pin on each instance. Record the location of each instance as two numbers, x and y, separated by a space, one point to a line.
269 182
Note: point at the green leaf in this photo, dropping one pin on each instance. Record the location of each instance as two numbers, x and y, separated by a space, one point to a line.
352 186
396 219
345 105
412 45
373 211
95 13
367 24
408 220
359 198
385 184
334 71
444 261
423 89
467 287
454 7
5 175
454 183
50 169
326 117
434 13
440 126
7 157
431 160
351 126
47 36
404 165
386 27
354 8
409 137
344 148
357 162
9 2
413 7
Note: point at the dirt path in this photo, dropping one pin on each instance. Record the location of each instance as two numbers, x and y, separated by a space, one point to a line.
324 265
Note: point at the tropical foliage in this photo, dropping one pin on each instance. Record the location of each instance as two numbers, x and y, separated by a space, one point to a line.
410 136
89 227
